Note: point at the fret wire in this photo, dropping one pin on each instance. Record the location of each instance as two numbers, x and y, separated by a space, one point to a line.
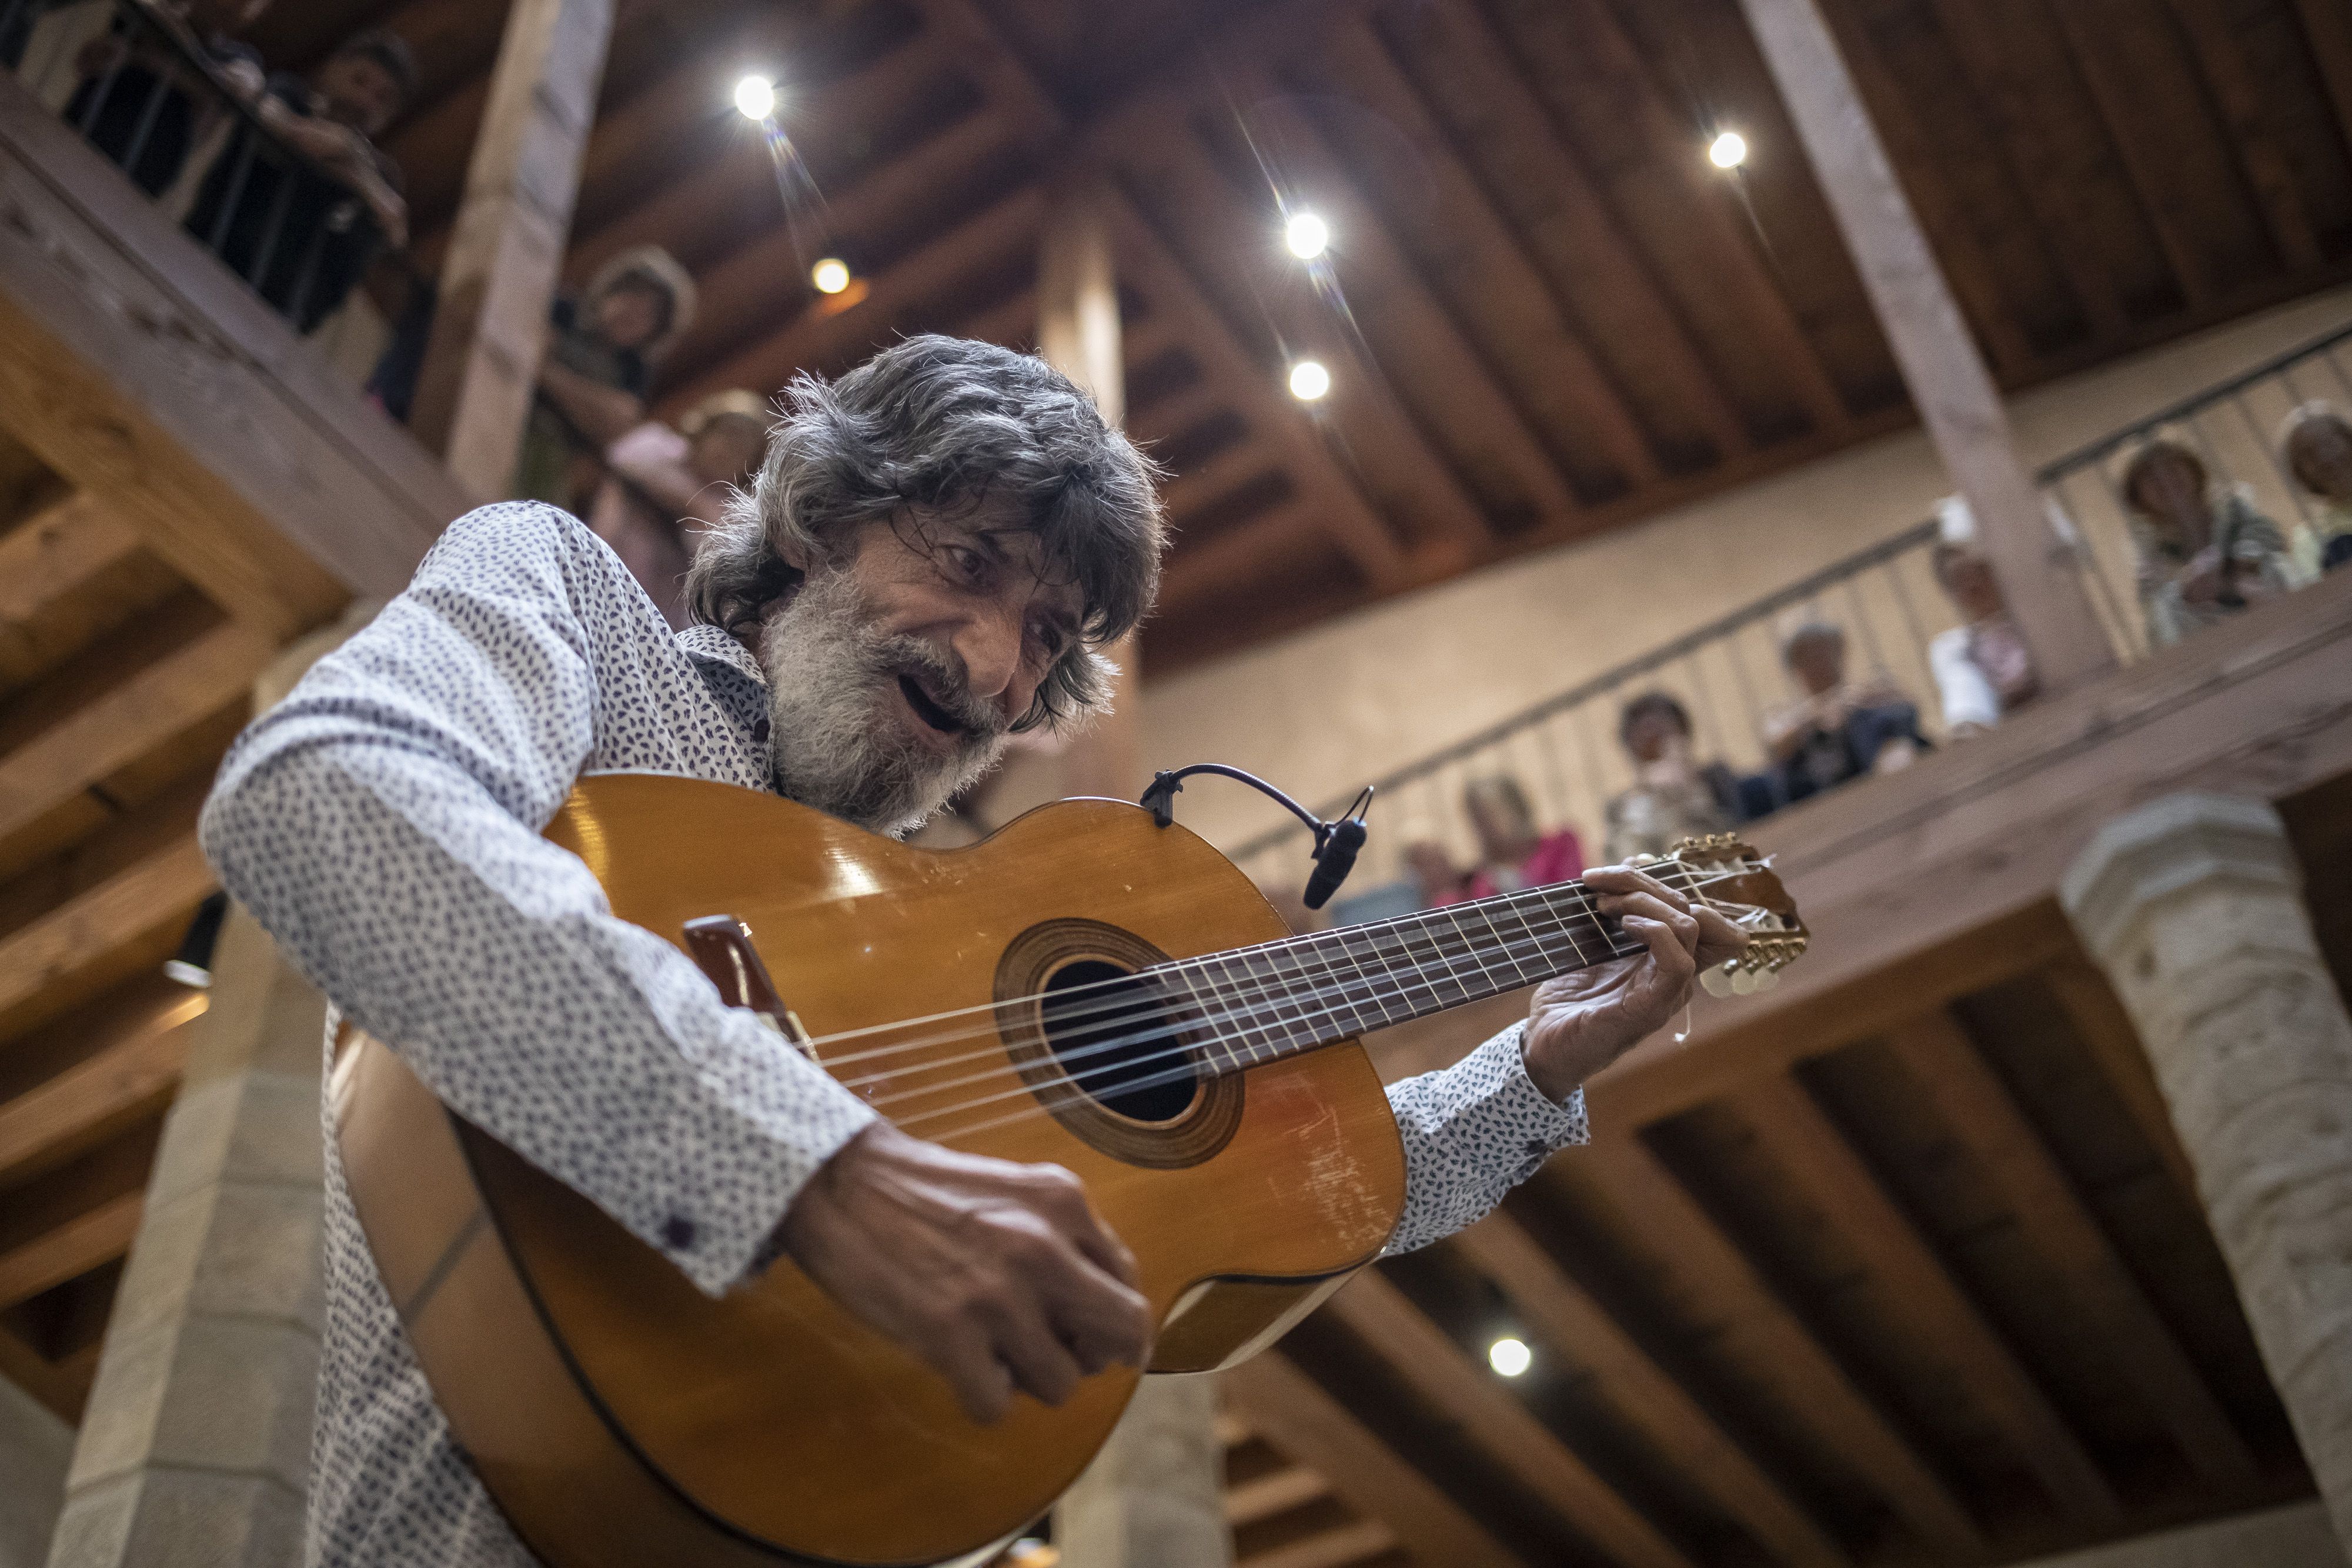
1501 945
1291 989
1235 1027
1447 969
1272 988
1470 948
1315 947
1371 989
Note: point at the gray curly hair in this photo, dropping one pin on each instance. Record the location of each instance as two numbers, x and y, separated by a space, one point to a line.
947 425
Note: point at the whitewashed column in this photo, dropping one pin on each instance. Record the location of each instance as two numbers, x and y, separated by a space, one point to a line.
1155 1495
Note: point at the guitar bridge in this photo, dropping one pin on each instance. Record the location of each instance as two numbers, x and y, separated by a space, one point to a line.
720 946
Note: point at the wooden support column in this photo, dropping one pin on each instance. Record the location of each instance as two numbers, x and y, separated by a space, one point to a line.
474 394
1079 334
1947 377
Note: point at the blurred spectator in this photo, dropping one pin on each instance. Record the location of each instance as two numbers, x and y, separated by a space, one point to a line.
1672 798
664 481
303 235
597 367
2201 558
1513 854
1981 667
1838 730
1435 874
2316 444
141 96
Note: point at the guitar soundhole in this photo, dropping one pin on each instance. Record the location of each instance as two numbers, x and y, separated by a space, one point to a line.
1115 1040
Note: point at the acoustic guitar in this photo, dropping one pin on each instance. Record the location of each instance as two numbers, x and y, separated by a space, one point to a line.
1085 987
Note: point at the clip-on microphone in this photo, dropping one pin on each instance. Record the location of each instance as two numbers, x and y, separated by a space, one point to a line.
1335 842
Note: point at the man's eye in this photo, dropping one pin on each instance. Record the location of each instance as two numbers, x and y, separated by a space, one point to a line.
969 563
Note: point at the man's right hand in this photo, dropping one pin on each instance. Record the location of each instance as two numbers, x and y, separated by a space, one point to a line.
997 1274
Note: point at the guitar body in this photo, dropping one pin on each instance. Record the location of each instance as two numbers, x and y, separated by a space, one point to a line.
619 1415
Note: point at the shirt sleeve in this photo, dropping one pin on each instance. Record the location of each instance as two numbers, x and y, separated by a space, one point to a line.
1472 1133
383 822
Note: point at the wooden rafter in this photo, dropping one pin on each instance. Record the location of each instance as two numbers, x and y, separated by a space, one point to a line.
2097 1019
1490 1419
2218 60
1290 1410
131 1074
67 954
1236 463
2328 25
1979 1366
1980 1111
1769 1339
1337 1547
71 1247
1577 1329
1277 1492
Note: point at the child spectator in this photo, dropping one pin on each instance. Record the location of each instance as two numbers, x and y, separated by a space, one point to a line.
1840 729
302 232
664 481
141 97
597 367
1981 667
2202 558
1672 798
2316 445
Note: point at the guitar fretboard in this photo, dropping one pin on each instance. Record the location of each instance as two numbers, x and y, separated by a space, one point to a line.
1256 1004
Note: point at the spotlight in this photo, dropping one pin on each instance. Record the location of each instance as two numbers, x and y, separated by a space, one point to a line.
1307 234
1509 1357
1728 151
756 97
831 275
1309 379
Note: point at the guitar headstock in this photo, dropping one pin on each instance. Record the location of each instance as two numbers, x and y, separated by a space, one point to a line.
1740 884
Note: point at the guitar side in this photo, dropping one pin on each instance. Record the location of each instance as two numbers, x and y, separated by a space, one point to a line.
766 1426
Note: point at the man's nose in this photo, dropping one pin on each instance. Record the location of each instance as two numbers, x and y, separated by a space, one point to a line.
990 648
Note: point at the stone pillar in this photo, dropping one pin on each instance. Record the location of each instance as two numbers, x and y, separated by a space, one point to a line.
2191 904
1155 1495
33 1448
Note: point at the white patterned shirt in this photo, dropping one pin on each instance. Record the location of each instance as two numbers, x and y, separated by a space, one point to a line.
383 822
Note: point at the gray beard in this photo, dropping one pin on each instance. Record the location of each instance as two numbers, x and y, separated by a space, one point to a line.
835 744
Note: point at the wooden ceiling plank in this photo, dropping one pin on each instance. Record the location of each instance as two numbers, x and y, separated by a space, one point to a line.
1039 125
2213 43
1011 322
38 958
1986 57
1334 1548
1291 1411
2114 96
1493 1420
1541 328
1244 458
1942 213
1768 1337
1200 575
1389 302
53 1382
820 340
57 550
131 1075
1271 1494
1738 270
1232 1430
131 718
1801 1140
1972 1102
2328 26
89 1239
2100 1022
1580 1332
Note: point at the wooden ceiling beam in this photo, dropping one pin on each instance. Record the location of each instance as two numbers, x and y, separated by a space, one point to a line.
73 1248
1581 1332
1268 1495
2328 28
56 552
62 958
1335 1548
1494 120
2214 44
1491 1420
1977 1365
1980 1113
1292 1411
1551 361
2098 1019
53 1382
821 340
1987 59
2115 96
1199 576
1769 1341
1245 457
129 1075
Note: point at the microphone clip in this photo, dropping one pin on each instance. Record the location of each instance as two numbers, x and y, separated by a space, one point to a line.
1337 843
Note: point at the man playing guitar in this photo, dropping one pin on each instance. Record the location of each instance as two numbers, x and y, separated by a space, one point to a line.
935 548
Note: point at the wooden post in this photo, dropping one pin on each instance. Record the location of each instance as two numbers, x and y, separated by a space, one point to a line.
1947 377
474 394
1079 334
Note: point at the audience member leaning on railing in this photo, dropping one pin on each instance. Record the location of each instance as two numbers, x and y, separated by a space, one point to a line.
2315 444
2206 550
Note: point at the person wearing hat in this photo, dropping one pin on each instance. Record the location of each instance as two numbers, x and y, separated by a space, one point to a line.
2202 558
663 486
2315 444
597 367
1981 667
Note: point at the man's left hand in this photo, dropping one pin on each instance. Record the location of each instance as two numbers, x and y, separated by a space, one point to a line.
1583 1020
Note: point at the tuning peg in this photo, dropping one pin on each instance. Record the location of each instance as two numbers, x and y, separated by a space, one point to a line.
1743 982
1768 978
1716 981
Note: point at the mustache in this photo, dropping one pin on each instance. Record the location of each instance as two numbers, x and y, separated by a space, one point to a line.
944 680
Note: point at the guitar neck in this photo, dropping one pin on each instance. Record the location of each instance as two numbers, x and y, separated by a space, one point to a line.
1257 1004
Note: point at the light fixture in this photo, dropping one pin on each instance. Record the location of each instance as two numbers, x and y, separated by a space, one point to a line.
756 97
1307 235
831 275
1727 151
1509 1357
1309 379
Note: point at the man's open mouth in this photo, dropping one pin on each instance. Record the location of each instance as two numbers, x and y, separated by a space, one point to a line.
928 711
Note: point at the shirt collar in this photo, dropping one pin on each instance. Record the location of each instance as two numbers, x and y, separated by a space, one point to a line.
735 680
